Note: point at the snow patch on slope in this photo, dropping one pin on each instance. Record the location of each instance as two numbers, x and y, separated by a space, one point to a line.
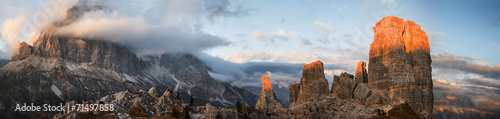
57 91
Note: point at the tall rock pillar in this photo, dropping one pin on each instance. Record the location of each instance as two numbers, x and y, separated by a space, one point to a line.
313 84
267 100
400 63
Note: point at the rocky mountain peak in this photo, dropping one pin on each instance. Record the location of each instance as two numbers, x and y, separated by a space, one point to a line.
266 84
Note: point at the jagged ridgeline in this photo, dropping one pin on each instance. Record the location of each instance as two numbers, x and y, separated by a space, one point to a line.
57 69
399 77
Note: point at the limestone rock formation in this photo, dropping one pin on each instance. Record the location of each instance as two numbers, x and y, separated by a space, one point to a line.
313 84
268 101
294 93
343 85
361 74
400 64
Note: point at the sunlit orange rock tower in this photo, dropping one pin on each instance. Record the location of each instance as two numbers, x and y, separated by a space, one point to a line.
400 63
267 100
361 74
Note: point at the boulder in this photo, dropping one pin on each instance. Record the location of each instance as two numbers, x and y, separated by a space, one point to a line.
372 99
343 85
361 92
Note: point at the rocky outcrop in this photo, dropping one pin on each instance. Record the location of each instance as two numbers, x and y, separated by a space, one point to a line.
361 74
294 93
343 86
23 52
268 101
400 64
313 84
153 92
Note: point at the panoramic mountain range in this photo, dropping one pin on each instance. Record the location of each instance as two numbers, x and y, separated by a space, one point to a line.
71 70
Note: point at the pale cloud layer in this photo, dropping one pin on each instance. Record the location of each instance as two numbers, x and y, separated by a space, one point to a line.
450 61
324 27
149 27
281 34
461 93
282 56
259 36
26 25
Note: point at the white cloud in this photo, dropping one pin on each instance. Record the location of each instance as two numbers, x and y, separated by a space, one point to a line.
155 26
259 35
324 27
26 25
10 32
281 34
283 57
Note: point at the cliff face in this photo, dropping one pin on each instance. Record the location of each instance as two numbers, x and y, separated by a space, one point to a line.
268 101
400 64
313 84
95 52
294 93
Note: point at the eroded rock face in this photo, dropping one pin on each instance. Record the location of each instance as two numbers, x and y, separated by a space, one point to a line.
361 74
294 93
400 64
313 84
343 85
268 101
24 51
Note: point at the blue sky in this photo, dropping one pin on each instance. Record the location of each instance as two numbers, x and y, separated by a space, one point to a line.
465 28
459 27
